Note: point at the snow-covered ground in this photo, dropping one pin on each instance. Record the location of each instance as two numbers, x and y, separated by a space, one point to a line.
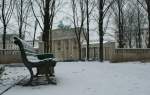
93 78
11 76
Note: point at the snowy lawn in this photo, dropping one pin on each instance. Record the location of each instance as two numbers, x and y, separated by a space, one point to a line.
93 78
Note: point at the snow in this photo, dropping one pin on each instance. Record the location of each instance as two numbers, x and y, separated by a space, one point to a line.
11 76
92 78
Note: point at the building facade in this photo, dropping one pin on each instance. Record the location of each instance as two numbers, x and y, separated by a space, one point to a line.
108 48
64 44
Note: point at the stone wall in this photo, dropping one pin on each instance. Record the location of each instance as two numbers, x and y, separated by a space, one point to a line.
94 51
121 55
114 55
7 59
10 56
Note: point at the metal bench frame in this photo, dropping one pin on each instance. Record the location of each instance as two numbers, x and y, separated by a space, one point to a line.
44 63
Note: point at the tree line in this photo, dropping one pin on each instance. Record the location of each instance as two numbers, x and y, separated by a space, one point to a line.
128 17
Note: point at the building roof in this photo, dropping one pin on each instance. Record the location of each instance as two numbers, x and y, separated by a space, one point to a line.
95 43
62 34
59 34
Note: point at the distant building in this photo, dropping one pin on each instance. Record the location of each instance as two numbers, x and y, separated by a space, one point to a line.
94 50
64 44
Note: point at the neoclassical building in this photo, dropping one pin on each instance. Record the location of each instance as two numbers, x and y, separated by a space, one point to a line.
64 44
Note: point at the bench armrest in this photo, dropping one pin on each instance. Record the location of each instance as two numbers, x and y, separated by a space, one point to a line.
45 56
37 63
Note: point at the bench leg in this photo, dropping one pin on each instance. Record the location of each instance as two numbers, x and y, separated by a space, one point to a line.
37 73
50 79
51 67
51 71
47 76
31 78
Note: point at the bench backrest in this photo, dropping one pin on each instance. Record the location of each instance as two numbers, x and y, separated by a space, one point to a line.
25 48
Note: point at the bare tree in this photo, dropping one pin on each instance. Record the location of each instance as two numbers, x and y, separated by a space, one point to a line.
78 21
7 7
133 23
47 10
146 6
90 5
129 23
148 10
22 12
102 13
139 26
87 36
120 5
118 10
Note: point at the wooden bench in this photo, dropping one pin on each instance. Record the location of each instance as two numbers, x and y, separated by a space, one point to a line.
44 63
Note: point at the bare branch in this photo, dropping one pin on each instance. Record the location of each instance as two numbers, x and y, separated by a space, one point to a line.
36 16
141 3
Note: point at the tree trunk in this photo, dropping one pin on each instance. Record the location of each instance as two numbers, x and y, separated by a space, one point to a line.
21 20
50 39
51 24
120 24
148 9
139 34
35 27
20 32
101 33
79 49
4 37
46 26
139 27
149 29
87 12
101 41
130 39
